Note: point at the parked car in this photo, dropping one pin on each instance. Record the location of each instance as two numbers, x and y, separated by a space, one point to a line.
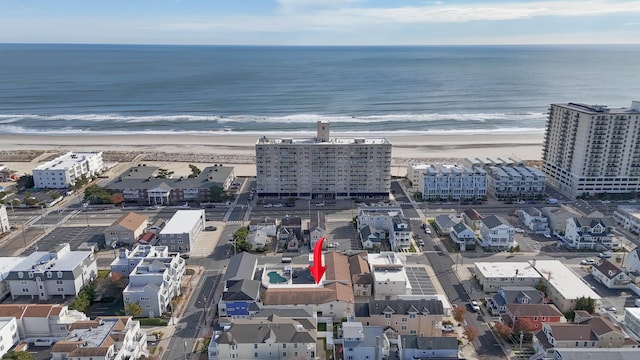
519 230
420 242
427 231
474 306
268 205
321 204
211 228
605 255
278 205
612 309
447 327
587 262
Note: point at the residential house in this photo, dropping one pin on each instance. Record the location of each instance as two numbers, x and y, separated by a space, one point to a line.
534 220
473 219
290 228
564 287
260 239
558 217
41 321
535 313
586 210
126 230
271 334
361 276
423 347
153 283
370 237
590 233
267 225
586 331
318 229
462 235
43 275
105 338
421 317
527 295
445 223
241 293
146 184
182 230
493 276
497 233
628 216
400 233
127 260
632 320
378 217
8 334
610 275
364 342
389 276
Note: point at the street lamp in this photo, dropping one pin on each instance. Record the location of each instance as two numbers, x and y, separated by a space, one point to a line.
233 243
185 350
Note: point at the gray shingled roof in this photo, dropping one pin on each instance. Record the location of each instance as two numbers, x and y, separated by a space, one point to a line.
240 266
493 221
241 289
140 177
429 343
400 306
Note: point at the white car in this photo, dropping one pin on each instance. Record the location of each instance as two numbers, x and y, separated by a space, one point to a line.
447 327
320 204
605 255
587 262
278 205
474 306
519 230
268 205
427 230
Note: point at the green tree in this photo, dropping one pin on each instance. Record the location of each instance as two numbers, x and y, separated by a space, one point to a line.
217 194
15 202
586 304
54 195
164 174
194 171
80 182
25 182
95 194
541 287
133 308
18 355
80 303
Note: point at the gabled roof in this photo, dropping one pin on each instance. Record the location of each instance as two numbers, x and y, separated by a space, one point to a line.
514 295
130 221
460 227
337 267
359 269
607 268
429 343
446 221
30 310
532 310
493 221
142 177
399 306
242 289
241 266
473 214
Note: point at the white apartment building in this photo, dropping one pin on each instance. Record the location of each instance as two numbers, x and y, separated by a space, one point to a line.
400 234
493 276
127 260
629 217
44 274
182 230
534 219
515 182
380 218
588 233
591 149
453 181
105 338
389 277
323 167
63 171
153 283
564 287
42 321
632 320
8 334
4 220
497 233
415 175
6 265
272 334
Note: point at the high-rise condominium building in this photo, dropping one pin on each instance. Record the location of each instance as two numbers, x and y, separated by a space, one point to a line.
591 149
323 167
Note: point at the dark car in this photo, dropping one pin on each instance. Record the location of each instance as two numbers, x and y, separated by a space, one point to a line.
211 228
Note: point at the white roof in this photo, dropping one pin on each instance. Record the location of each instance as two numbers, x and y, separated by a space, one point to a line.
564 280
67 160
507 269
182 221
7 264
633 311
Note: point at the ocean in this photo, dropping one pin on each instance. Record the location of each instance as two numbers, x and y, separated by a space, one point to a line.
134 89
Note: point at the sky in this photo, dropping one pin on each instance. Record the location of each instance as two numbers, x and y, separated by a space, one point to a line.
320 22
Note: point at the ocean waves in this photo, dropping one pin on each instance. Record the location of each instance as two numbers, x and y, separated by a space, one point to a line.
395 124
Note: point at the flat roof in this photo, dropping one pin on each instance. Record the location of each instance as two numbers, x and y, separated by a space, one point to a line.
634 311
7 264
335 141
182 221
564 280
65 161
507 269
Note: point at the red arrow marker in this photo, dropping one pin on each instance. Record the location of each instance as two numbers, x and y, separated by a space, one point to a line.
317 270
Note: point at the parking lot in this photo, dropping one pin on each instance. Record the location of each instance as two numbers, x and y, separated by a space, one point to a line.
74 235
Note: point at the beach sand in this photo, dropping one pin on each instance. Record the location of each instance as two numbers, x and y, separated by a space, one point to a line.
176 152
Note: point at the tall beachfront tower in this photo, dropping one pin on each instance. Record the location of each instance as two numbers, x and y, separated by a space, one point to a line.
323 167
592 149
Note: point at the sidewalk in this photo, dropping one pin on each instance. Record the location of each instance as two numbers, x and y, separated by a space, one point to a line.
169 330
